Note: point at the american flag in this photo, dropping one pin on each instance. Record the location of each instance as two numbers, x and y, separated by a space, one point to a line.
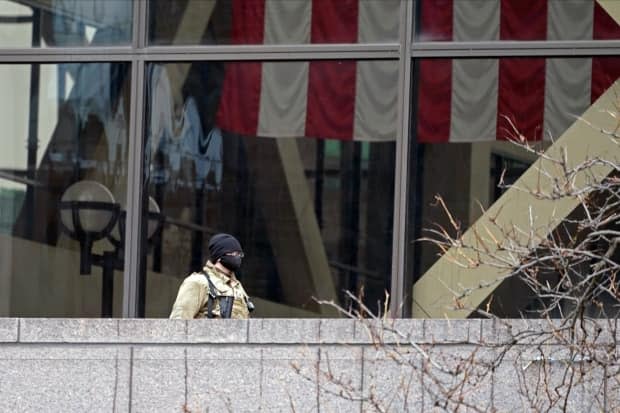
323 99
465 100
458 100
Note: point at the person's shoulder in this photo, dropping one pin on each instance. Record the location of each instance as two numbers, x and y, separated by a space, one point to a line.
196 278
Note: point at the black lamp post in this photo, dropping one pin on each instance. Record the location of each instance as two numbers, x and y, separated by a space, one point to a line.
88 213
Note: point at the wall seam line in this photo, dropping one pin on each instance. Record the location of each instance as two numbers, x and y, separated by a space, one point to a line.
130 377
362 379
115 382
318 369
185 377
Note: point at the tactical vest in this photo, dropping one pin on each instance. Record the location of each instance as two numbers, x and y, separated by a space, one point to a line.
226 302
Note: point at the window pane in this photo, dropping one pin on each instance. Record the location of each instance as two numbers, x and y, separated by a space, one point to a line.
466 110
273 21
296 159
61 124
490 20
65 23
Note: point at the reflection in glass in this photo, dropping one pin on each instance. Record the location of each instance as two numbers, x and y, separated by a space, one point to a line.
62 124
273 21
65 23
296 159
475 20
467 109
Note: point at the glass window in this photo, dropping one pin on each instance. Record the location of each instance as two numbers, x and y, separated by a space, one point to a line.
465 111
65 23
490 20
296 159
62 124
273 21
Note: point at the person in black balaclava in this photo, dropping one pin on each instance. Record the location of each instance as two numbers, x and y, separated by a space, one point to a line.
224 249
215 292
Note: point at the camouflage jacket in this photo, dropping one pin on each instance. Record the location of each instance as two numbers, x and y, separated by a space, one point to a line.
195 296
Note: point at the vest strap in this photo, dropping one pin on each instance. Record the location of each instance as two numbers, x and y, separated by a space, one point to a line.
212 297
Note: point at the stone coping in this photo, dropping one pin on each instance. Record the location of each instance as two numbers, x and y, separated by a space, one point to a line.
262 331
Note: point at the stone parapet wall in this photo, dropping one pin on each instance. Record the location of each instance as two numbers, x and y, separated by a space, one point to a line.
123 365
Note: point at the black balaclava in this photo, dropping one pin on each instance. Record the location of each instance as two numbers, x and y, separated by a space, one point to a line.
222 244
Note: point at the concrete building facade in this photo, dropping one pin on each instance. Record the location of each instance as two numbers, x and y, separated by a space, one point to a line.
271 365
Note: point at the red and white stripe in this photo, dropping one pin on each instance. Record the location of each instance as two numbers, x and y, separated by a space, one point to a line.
459 100
467 100
321 99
